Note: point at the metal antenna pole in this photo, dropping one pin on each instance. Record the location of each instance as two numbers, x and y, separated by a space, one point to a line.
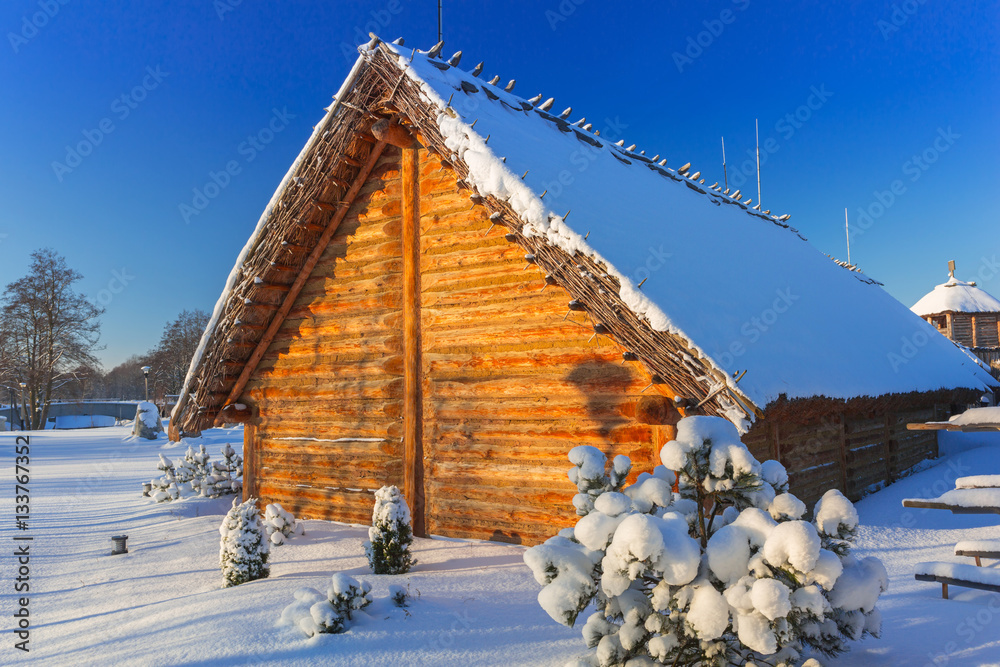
847 231
439 20
757 128
725 176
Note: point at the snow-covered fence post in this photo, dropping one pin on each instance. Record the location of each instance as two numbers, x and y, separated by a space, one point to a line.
724 572
391 533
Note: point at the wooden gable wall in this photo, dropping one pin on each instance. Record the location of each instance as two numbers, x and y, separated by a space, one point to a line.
507 384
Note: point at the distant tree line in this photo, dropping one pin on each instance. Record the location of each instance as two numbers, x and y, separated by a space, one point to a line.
49 335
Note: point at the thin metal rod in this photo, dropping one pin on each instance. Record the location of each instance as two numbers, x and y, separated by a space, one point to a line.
757 129
847 231
439 20
725 176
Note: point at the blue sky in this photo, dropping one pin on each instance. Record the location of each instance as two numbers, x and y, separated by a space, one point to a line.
884 107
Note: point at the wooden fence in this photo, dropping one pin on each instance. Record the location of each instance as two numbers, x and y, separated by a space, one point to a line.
854 453
990 356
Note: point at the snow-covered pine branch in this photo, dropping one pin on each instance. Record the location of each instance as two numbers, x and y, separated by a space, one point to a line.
725 571
391 534
314 613
196 474
280 524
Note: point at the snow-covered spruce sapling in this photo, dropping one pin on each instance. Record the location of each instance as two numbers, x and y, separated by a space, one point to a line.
725 572
313 613
280 524
228 469
194 475
400 596
243 548
391 534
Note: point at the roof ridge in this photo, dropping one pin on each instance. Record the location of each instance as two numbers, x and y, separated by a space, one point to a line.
692 180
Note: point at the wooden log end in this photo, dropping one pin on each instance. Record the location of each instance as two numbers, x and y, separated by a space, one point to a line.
393 134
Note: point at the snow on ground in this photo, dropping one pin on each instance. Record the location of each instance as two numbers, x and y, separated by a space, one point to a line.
919 627
162 603
474 602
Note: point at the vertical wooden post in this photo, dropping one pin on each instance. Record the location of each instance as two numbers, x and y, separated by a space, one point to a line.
887 448
249 461
413 450
842 444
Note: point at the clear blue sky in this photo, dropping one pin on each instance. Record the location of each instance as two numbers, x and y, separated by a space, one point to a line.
887 81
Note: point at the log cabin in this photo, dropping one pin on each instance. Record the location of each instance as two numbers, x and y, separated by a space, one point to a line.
452 286
967 314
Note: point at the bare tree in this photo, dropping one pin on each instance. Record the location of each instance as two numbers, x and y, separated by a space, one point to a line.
171 358
50 330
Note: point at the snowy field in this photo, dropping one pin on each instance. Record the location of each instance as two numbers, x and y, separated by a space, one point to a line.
474 602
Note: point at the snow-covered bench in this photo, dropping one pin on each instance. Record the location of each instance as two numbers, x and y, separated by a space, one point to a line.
959 574
978 549
978 482
980 500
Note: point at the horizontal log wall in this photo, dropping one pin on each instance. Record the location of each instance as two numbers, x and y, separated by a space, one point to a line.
961 328
329 390
509 385
986 330
855 453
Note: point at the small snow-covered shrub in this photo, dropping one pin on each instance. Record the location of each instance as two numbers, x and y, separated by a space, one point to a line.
400 596
195 476
391 534
313 613
243 549
725 572
280 524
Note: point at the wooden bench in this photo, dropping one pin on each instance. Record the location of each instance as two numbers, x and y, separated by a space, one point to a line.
935 504
959 574
978 482
978 549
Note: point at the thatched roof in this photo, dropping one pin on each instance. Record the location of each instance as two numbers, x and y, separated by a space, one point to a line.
689 280
956 296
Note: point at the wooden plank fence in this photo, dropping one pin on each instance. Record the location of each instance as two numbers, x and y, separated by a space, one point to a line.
854 453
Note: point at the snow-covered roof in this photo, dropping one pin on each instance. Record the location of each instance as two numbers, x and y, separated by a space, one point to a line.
746 290
718 286
956 296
